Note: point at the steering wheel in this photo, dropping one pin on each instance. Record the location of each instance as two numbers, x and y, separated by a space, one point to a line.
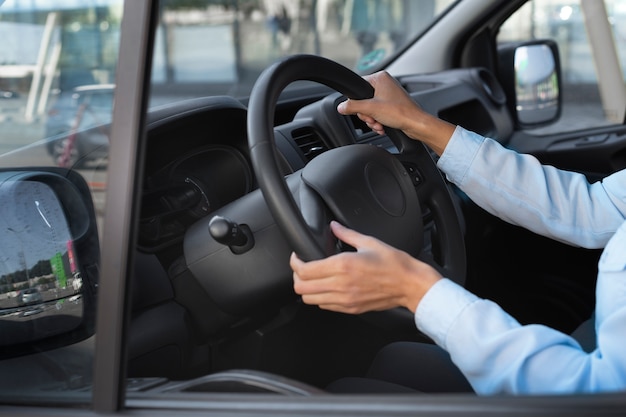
362 186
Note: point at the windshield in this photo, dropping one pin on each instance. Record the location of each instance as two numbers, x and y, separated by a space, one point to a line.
360 34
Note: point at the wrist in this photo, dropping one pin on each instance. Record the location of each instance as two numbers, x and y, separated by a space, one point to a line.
432 131
420 278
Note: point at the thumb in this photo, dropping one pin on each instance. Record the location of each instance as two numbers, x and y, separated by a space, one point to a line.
344 108
351 237
351 106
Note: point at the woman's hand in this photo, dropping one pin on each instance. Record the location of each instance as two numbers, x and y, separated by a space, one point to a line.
375 277
393 107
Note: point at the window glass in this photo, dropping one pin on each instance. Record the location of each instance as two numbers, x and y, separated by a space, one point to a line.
592 57
57 72
215 47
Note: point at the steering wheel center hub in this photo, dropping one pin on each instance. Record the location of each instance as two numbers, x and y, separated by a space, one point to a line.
367 189
385 189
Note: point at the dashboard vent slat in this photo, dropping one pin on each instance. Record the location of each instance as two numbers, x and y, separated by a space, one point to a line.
309 142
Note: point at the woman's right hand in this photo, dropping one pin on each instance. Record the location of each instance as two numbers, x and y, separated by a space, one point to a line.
393 107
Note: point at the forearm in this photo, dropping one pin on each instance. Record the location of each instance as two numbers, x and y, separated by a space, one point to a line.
498 355
520 190
393 107
433 132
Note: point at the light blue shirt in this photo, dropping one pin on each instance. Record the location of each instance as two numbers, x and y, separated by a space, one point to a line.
494 351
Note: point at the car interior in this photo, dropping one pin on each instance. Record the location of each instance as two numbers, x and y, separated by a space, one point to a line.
229 187
201 306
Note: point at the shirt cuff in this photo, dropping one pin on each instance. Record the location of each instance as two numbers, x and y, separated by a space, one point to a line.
459 154
440 307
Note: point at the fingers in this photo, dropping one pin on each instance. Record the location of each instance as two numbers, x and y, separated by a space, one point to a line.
352 107
342 282
323 280
341 263
318 285
372 124
375 277
321 272
364 108
341 292
389 106
351 237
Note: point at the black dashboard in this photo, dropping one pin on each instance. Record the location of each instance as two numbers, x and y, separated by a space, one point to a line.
197 162
198 158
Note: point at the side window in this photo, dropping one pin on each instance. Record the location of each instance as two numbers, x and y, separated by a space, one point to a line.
592 48
56 59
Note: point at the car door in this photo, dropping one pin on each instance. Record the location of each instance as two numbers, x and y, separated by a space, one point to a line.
95 212
55 215
553 283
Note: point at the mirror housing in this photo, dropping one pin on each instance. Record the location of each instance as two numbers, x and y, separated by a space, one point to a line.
49 256
530 73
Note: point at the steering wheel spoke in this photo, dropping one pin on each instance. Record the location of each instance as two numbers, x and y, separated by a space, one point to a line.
316 215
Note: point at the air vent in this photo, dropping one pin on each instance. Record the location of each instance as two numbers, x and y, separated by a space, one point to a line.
309 142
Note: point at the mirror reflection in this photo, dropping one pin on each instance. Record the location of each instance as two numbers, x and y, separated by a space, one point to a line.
536 83
40 283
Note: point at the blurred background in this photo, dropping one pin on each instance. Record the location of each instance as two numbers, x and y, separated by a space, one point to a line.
57 66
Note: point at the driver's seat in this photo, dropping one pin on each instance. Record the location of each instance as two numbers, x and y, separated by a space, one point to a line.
160 340
395 369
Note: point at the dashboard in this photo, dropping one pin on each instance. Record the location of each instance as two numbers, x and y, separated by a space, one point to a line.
198 166
197 162
198 157
189 188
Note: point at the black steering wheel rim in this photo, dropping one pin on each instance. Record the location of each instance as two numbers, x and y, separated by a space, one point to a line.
276 192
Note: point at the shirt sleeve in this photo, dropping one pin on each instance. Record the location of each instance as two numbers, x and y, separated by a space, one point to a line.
499 355
559 204
494 351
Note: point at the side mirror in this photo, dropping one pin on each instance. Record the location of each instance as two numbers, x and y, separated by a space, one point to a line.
530 73
49 253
